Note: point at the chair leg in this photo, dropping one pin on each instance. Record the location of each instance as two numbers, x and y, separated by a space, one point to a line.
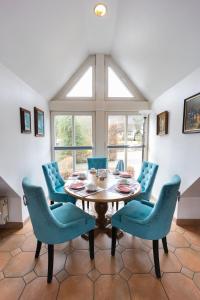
164 242
88 204
83 204
114 236
156 258
38 248
51 202
112 204
91 243
117 205
50 263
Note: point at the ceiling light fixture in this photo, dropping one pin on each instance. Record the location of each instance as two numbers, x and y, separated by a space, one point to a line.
100 9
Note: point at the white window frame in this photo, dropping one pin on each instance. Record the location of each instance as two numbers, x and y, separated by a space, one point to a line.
74 113
144 145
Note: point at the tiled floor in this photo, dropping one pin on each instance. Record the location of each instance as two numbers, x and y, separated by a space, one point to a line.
130 275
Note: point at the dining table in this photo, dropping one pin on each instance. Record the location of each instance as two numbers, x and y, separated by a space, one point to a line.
107 192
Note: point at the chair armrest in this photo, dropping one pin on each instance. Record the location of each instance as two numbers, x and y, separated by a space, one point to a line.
56 205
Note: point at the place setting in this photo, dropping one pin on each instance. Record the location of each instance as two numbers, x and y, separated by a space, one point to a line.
84 188
124 186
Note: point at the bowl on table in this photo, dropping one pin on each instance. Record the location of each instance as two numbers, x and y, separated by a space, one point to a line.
82 176
91 187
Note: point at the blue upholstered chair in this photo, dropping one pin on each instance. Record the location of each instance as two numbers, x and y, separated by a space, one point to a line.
120 165
55 224
55 184
97 162
148 221
146 179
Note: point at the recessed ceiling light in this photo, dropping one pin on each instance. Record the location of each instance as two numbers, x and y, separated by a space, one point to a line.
100 9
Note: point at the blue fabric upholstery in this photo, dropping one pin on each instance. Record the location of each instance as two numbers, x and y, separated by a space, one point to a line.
146 220
120 165
58 223
146 179
55 183
97 162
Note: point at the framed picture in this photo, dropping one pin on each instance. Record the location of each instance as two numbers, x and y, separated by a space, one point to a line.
191 114
25 120
162 123
39 121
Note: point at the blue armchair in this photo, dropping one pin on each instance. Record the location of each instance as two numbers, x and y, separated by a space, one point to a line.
148 221
120 165
146 179
97 162
55 184
55 224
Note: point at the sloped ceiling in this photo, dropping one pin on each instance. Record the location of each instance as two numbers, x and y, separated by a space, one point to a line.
155 42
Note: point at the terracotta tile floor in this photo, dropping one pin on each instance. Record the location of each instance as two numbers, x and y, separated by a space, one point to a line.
129 275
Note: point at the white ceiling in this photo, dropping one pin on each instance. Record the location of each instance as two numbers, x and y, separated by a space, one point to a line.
155 42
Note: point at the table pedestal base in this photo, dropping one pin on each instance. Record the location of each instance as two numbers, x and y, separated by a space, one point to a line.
103 223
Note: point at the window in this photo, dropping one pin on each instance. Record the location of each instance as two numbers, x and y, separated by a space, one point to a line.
116 88
83 88
125 141
73 141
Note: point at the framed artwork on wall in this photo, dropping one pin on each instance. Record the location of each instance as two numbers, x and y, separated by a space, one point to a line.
25 120
162 123
191 114
39 121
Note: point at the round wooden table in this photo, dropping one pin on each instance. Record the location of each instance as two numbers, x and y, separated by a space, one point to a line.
102 198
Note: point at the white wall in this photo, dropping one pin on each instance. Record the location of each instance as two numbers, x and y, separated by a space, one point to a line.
176 153
20 154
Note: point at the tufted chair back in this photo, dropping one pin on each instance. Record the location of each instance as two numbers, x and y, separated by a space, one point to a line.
52 175
146 178
97 162
40 214
120 165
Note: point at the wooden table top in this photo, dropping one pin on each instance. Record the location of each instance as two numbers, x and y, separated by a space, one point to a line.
105 195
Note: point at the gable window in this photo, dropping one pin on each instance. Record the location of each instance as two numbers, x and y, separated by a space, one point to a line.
83 88
116 88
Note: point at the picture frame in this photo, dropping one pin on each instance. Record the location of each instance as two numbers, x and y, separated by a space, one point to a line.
162 123
25 120
191 114
39 122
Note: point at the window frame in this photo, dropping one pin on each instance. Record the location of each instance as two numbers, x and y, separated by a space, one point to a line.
144 145
73 148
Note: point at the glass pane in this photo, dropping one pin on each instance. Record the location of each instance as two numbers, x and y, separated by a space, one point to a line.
65 162
116 88
116 130
63 130
135 130
113 156
83 130
81 159
83 88
134 161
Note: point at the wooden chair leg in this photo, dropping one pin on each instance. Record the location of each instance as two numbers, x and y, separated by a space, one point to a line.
164 242
38 248
83 204
114 236
112 204
156 258
50 263
117 205
88 204
91 243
